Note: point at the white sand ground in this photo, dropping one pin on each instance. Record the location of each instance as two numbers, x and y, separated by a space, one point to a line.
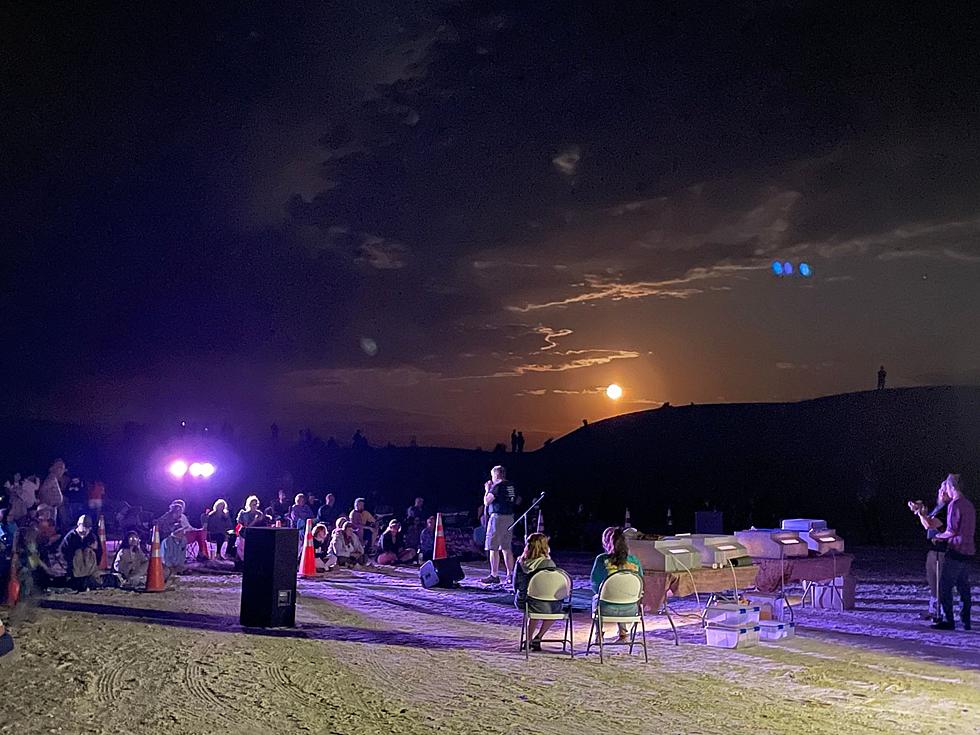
374 653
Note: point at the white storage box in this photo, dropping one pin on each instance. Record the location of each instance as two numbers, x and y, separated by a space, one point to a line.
772 605
773 630
728 613
835 594
724 636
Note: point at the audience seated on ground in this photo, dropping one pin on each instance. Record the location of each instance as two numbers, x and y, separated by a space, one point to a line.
536 557
131 562
82 552
346 546
321 548
393 547
365 525
300 512
617 558
278 510
6 642
328 513
173 549
427 539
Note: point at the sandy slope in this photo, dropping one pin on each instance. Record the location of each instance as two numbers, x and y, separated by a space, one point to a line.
375 653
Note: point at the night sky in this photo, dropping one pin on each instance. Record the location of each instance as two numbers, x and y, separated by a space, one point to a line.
453 219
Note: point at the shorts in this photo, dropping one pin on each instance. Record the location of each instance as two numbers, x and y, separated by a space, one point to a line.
499 535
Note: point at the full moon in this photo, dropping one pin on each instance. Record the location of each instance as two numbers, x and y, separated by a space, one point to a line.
614 392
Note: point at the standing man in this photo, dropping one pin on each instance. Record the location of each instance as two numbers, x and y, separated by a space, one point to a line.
500 501
881 377
513 442
961 526
933 522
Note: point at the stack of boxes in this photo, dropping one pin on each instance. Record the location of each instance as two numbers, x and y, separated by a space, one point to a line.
736 625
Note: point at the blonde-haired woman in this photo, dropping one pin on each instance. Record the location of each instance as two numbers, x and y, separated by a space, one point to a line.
536 556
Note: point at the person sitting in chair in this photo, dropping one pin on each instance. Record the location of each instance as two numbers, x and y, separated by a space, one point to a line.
364 525
536 557
617 558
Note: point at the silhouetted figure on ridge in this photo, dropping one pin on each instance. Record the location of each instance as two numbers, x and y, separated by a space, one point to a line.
881 377
513 441
520 442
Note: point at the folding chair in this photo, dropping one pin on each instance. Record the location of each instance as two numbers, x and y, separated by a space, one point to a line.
620 588
549 585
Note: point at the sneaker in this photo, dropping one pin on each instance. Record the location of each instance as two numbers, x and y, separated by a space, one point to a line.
490 579
535 644
943 625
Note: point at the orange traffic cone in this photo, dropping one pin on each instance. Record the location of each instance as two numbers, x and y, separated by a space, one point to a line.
104 561
307 565
154 573
13 584
540 522
439 551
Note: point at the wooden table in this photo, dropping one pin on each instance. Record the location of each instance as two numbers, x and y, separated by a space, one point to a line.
774 574
656 584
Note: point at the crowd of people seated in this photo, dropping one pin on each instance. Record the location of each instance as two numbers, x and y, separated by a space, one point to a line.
50 531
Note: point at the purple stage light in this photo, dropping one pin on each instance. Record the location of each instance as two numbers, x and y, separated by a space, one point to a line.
207 469
788 268
777 268
177 468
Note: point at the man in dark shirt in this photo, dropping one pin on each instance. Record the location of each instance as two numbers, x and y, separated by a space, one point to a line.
279 510
416 512
961 527
500 502
328 513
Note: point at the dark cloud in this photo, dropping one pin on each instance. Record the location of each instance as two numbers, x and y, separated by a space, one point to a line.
552 195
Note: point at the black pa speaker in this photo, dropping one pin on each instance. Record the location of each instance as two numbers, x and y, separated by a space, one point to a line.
441 573
269 578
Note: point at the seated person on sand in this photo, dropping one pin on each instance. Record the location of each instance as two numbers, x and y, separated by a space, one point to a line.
364 525
193 535
221 529
248 517
300 512
617 558
321 548
346 546
427 539
82 552
536 556
393 547
6 642
173 549
35 574
131 562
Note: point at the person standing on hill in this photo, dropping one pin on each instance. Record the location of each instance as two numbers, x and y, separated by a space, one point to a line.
961 527
881 377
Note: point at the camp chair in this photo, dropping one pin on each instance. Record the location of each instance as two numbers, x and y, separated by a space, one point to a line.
620 588
549 585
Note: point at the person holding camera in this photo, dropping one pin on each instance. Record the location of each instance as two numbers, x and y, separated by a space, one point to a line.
933 521
961 528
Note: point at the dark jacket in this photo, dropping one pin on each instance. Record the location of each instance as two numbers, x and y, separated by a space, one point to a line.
72 542
524 572
394 543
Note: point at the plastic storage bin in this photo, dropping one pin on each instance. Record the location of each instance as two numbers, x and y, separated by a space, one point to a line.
774 630
725 636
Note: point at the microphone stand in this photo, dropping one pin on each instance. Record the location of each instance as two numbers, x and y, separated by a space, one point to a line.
524 517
